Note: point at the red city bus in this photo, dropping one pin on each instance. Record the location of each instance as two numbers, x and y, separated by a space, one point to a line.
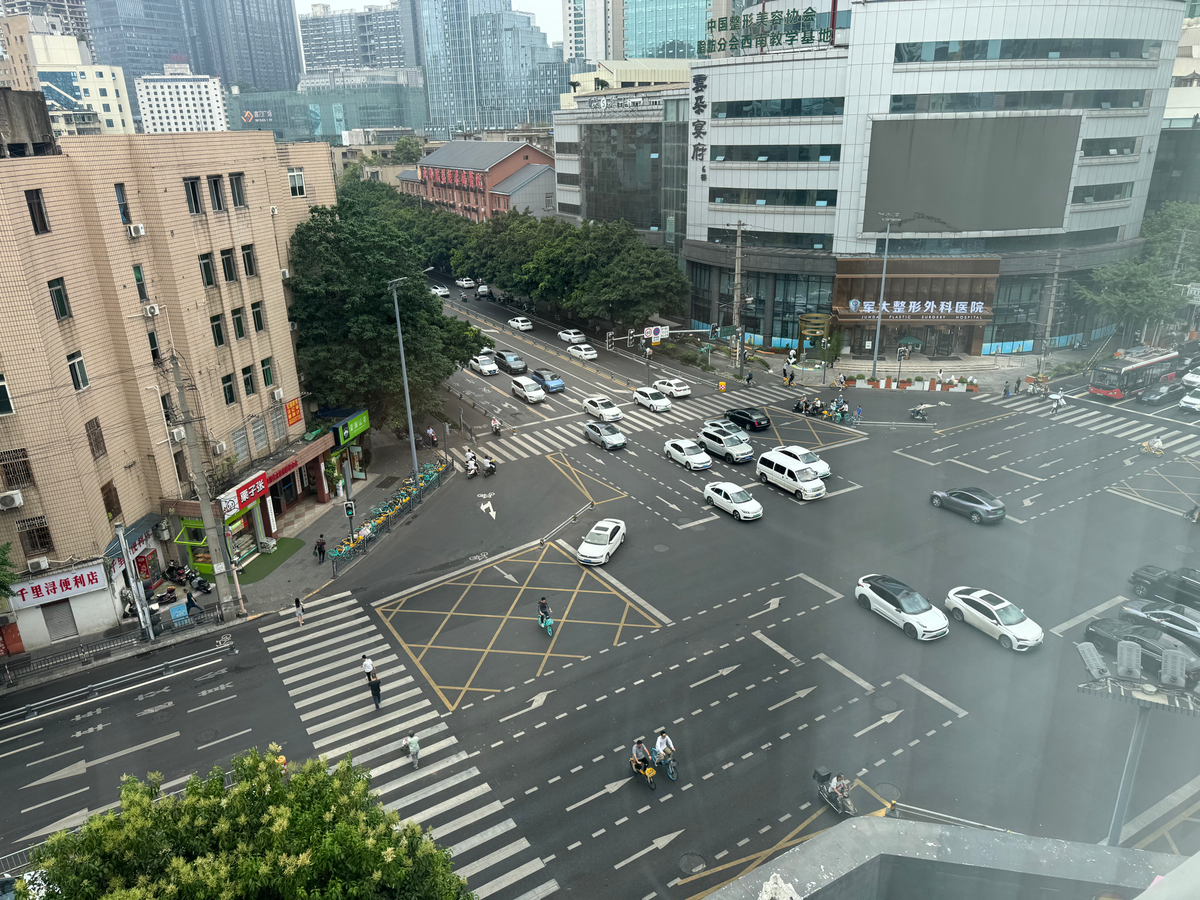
1129 374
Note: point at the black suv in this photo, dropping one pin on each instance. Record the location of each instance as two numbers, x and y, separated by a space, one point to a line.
1180 586
510 362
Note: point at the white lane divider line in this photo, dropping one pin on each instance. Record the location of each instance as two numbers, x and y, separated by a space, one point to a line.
834 664
780 650
933 695
1089 614
826 588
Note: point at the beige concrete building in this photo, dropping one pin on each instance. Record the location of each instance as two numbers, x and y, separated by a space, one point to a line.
115 255
18 68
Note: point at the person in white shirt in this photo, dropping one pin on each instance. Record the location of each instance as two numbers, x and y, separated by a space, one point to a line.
663 747
367 666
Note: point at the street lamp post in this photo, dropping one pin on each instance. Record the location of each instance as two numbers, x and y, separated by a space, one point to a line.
412 435
890 218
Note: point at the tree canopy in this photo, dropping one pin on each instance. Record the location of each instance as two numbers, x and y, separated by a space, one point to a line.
8 573
313 834
407 151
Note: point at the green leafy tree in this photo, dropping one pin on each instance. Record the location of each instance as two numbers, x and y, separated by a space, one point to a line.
574 86
1134 291
311 834
630 287
601 84
347 328
1172 237
407 151
8 572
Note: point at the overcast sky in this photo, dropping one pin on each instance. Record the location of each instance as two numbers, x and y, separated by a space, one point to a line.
547 13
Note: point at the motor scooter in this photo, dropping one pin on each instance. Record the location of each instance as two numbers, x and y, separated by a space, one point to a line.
839 803
193 580
918 412
176 573
488 467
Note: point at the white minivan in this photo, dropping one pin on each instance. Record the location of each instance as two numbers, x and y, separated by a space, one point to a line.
790 474
527 389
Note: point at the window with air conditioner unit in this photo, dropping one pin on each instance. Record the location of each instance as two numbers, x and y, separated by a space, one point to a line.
219 448
277 394
178 435
11 500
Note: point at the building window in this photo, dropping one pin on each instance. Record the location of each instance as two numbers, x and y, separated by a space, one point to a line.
227 388
206 270
141 284
168 413
112 506
95 438
249 266
35 536
571 147
1102 193
105 107
37 211
241 444
218 330
103 91
268 377
154 352
228 266
567 178
1017 100
239 323
259 426
279 423
296 181
78 371
237 188
248 380
772 197
123 204
58 297
571 209
6 407
216 193
775 153
1124 146
256 311
191 187
16 470
773 109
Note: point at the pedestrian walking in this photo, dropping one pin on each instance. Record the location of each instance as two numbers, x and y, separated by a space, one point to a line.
432 437
413 746
939 376
373 681
792 376
299 611
319 549
1007 392
192 604
367 666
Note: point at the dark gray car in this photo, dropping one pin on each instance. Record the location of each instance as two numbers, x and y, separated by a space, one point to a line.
975 503
1106 633
1178 621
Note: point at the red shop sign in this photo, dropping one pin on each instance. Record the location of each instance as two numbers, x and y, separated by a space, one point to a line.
283 471
250 491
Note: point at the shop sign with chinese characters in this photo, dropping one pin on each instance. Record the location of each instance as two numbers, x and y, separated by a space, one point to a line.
775 29
243 495
700 123
61 586
352 426
293 412
927 310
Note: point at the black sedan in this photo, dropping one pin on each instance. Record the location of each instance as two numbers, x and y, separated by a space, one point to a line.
1162 392
750 418
1173 619
974 503
1105 633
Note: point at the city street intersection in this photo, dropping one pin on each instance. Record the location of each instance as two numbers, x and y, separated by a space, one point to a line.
743 639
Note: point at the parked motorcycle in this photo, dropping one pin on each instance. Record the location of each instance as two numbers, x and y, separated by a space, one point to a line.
195 582
175 573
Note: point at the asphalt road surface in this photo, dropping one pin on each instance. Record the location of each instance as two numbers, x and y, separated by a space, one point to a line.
743 639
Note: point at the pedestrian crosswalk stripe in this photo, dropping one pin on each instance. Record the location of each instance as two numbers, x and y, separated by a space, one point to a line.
333 692
443 831
363 712
415 774
304 651
1138 433
485 891
368 643
475 840
342 749
340 676
434 789
310 633
1188 448
1109 422
446 805
495 449
355 730
309 621
492 858
347 701
1179 440
541 891
288 616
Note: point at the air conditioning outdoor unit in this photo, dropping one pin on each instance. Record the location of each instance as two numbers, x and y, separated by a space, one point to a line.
218 448
40 564
11 500
277 394
178 435
292 326
136 231
300 377
150 311
274 210
7 620
284 274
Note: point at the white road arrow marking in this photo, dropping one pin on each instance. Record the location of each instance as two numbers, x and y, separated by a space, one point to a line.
889 718
537 701
630 452
155 709
1028 501
1052 462
716 674
1131 461
610 788
944 449
487 508
772 604
998 455
658 844
1011 427
669 503
796 696
81 767
505 574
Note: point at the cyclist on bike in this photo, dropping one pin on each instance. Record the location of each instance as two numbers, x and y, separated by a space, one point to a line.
543 611
663 747
641 757
1156 444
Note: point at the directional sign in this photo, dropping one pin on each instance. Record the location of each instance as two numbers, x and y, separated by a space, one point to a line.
656 333
728 331
1028 501
487 508
669 503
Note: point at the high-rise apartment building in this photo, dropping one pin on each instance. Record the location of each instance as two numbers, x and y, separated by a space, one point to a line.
177 100
138 37
72 14
664 28
254 43
99 298
376 37
594 29
481 60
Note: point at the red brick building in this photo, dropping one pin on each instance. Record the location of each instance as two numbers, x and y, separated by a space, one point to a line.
463 176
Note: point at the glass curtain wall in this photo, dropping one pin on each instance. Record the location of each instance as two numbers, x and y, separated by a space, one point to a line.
622 167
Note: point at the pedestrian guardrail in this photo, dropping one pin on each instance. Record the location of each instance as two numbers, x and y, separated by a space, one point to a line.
900 810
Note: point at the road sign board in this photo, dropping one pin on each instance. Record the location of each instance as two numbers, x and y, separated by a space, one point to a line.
728 331
656 333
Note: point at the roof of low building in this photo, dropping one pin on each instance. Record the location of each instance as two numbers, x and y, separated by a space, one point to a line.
477 156
520 178
409 175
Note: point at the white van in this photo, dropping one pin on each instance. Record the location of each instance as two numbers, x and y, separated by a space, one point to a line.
790 474
527 389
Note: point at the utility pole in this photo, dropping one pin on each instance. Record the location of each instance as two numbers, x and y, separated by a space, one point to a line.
891 219
213 535
737 301
1050 313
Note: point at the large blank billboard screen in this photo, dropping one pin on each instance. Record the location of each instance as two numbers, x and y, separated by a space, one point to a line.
974 174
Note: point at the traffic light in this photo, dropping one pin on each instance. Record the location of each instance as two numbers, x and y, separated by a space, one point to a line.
824 343
349 504
713 331
629 339
610 340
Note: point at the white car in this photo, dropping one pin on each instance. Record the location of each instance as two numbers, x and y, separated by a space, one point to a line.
527 389
688 454
484 365
605 434
520 323
1192 378
465 282
726 427
581 351
602 408
483 291
995 617
572 336
601 542
1190 401
810 459
726 446
902 606
732 498
651 399
673 387
439 290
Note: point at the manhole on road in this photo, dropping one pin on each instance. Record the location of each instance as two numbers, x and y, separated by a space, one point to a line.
888 792
205 737
885 704
661 548
691 863
162 716
1184 548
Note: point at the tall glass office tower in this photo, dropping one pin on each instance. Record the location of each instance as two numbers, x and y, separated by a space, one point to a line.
664 29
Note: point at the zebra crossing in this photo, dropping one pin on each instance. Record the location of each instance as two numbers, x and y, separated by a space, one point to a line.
691 410
1137 430
319 663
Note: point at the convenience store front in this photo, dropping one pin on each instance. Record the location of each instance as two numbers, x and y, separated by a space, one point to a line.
246 521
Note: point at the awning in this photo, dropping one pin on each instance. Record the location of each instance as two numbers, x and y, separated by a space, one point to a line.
133 534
